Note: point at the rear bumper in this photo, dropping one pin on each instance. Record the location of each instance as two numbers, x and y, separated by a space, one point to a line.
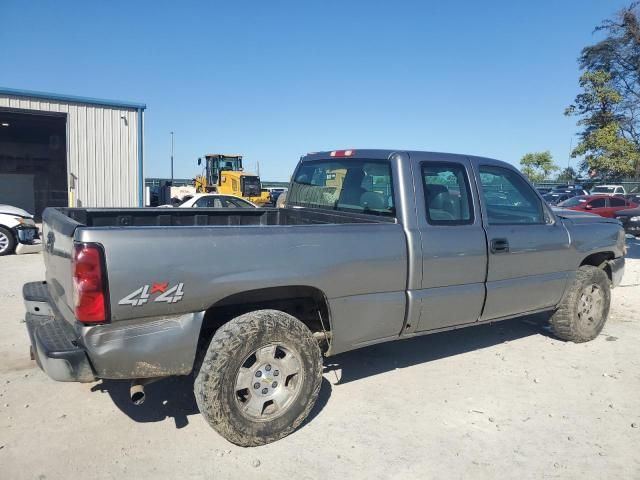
142 348
54 344
617 270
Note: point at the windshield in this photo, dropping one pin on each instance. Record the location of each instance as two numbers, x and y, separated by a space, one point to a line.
573 202
350 185
603 189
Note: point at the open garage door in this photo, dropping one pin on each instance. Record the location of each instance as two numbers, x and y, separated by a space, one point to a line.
33 160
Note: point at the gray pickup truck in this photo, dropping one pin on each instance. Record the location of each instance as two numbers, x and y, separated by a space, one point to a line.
371 246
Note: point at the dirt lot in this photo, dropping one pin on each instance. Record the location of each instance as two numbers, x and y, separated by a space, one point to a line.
498 401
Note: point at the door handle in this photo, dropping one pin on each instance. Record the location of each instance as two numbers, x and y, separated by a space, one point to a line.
499 245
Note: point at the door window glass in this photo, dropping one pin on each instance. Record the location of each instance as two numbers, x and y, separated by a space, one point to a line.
509 199
208 202
447 194
617 202
598 203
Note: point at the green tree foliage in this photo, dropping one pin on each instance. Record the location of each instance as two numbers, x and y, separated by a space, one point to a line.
609 106
567 175
537 166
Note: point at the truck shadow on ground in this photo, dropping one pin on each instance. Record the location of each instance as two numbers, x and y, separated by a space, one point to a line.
386 357
173 397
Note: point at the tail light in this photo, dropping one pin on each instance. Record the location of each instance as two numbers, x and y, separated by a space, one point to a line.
89 285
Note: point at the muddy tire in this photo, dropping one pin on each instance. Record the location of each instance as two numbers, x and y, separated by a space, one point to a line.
7 241
584 310
260 377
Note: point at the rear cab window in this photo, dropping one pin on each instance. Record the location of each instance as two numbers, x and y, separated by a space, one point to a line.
447 194
348 185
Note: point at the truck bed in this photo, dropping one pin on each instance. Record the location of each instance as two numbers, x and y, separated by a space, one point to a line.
165 217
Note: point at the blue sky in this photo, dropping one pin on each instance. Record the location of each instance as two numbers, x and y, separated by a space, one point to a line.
273 80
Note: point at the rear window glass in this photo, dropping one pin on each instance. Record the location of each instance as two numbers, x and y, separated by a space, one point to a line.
350 185
602 189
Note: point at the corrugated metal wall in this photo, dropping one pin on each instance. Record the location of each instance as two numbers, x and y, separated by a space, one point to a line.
102 149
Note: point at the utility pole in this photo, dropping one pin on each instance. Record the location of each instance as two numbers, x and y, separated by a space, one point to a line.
172 159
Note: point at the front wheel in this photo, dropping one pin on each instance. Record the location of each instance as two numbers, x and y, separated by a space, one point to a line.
7 241
584 310
260 377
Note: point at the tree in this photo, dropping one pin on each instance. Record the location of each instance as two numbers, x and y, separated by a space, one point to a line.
537 166
602 145
567 175
609 106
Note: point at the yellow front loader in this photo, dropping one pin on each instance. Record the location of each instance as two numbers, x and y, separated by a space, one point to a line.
224 174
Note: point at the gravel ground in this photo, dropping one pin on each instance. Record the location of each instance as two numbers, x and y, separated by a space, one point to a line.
497 401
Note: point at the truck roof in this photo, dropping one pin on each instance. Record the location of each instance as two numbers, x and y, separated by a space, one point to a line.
384 154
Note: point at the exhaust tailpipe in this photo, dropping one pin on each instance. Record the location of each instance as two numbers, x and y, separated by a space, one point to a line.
136 392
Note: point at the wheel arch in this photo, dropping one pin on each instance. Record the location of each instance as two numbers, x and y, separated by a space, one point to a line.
308 304
600 260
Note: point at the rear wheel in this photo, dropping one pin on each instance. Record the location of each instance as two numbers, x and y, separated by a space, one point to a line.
585 308
7 241
260 377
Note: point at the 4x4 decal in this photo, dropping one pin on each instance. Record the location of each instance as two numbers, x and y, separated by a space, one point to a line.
143 294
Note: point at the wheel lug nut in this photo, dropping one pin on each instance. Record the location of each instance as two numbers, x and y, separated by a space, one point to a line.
268 368
256 386
265 391
258 374
276 373
274 384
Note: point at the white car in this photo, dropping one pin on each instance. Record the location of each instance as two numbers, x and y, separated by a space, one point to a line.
18 231
216 200
608 190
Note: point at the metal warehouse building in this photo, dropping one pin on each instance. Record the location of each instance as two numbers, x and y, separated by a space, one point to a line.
61 150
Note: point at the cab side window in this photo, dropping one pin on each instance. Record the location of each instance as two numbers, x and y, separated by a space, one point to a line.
508 198
447 194
208 202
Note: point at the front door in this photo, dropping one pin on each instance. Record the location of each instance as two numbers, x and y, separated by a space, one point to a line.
528 262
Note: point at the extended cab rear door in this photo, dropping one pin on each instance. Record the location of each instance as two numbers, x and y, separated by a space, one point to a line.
528 262
454 249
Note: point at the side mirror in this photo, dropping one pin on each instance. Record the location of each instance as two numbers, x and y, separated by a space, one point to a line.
588 207
199 161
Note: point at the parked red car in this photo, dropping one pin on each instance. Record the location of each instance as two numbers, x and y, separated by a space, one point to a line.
602 205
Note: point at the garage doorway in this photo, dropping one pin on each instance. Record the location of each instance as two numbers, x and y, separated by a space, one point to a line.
33 160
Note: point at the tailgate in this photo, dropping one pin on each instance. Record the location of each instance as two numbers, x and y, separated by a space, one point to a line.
58 232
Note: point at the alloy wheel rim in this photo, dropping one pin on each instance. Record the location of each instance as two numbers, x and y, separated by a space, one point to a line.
590 305
4 242
268 381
